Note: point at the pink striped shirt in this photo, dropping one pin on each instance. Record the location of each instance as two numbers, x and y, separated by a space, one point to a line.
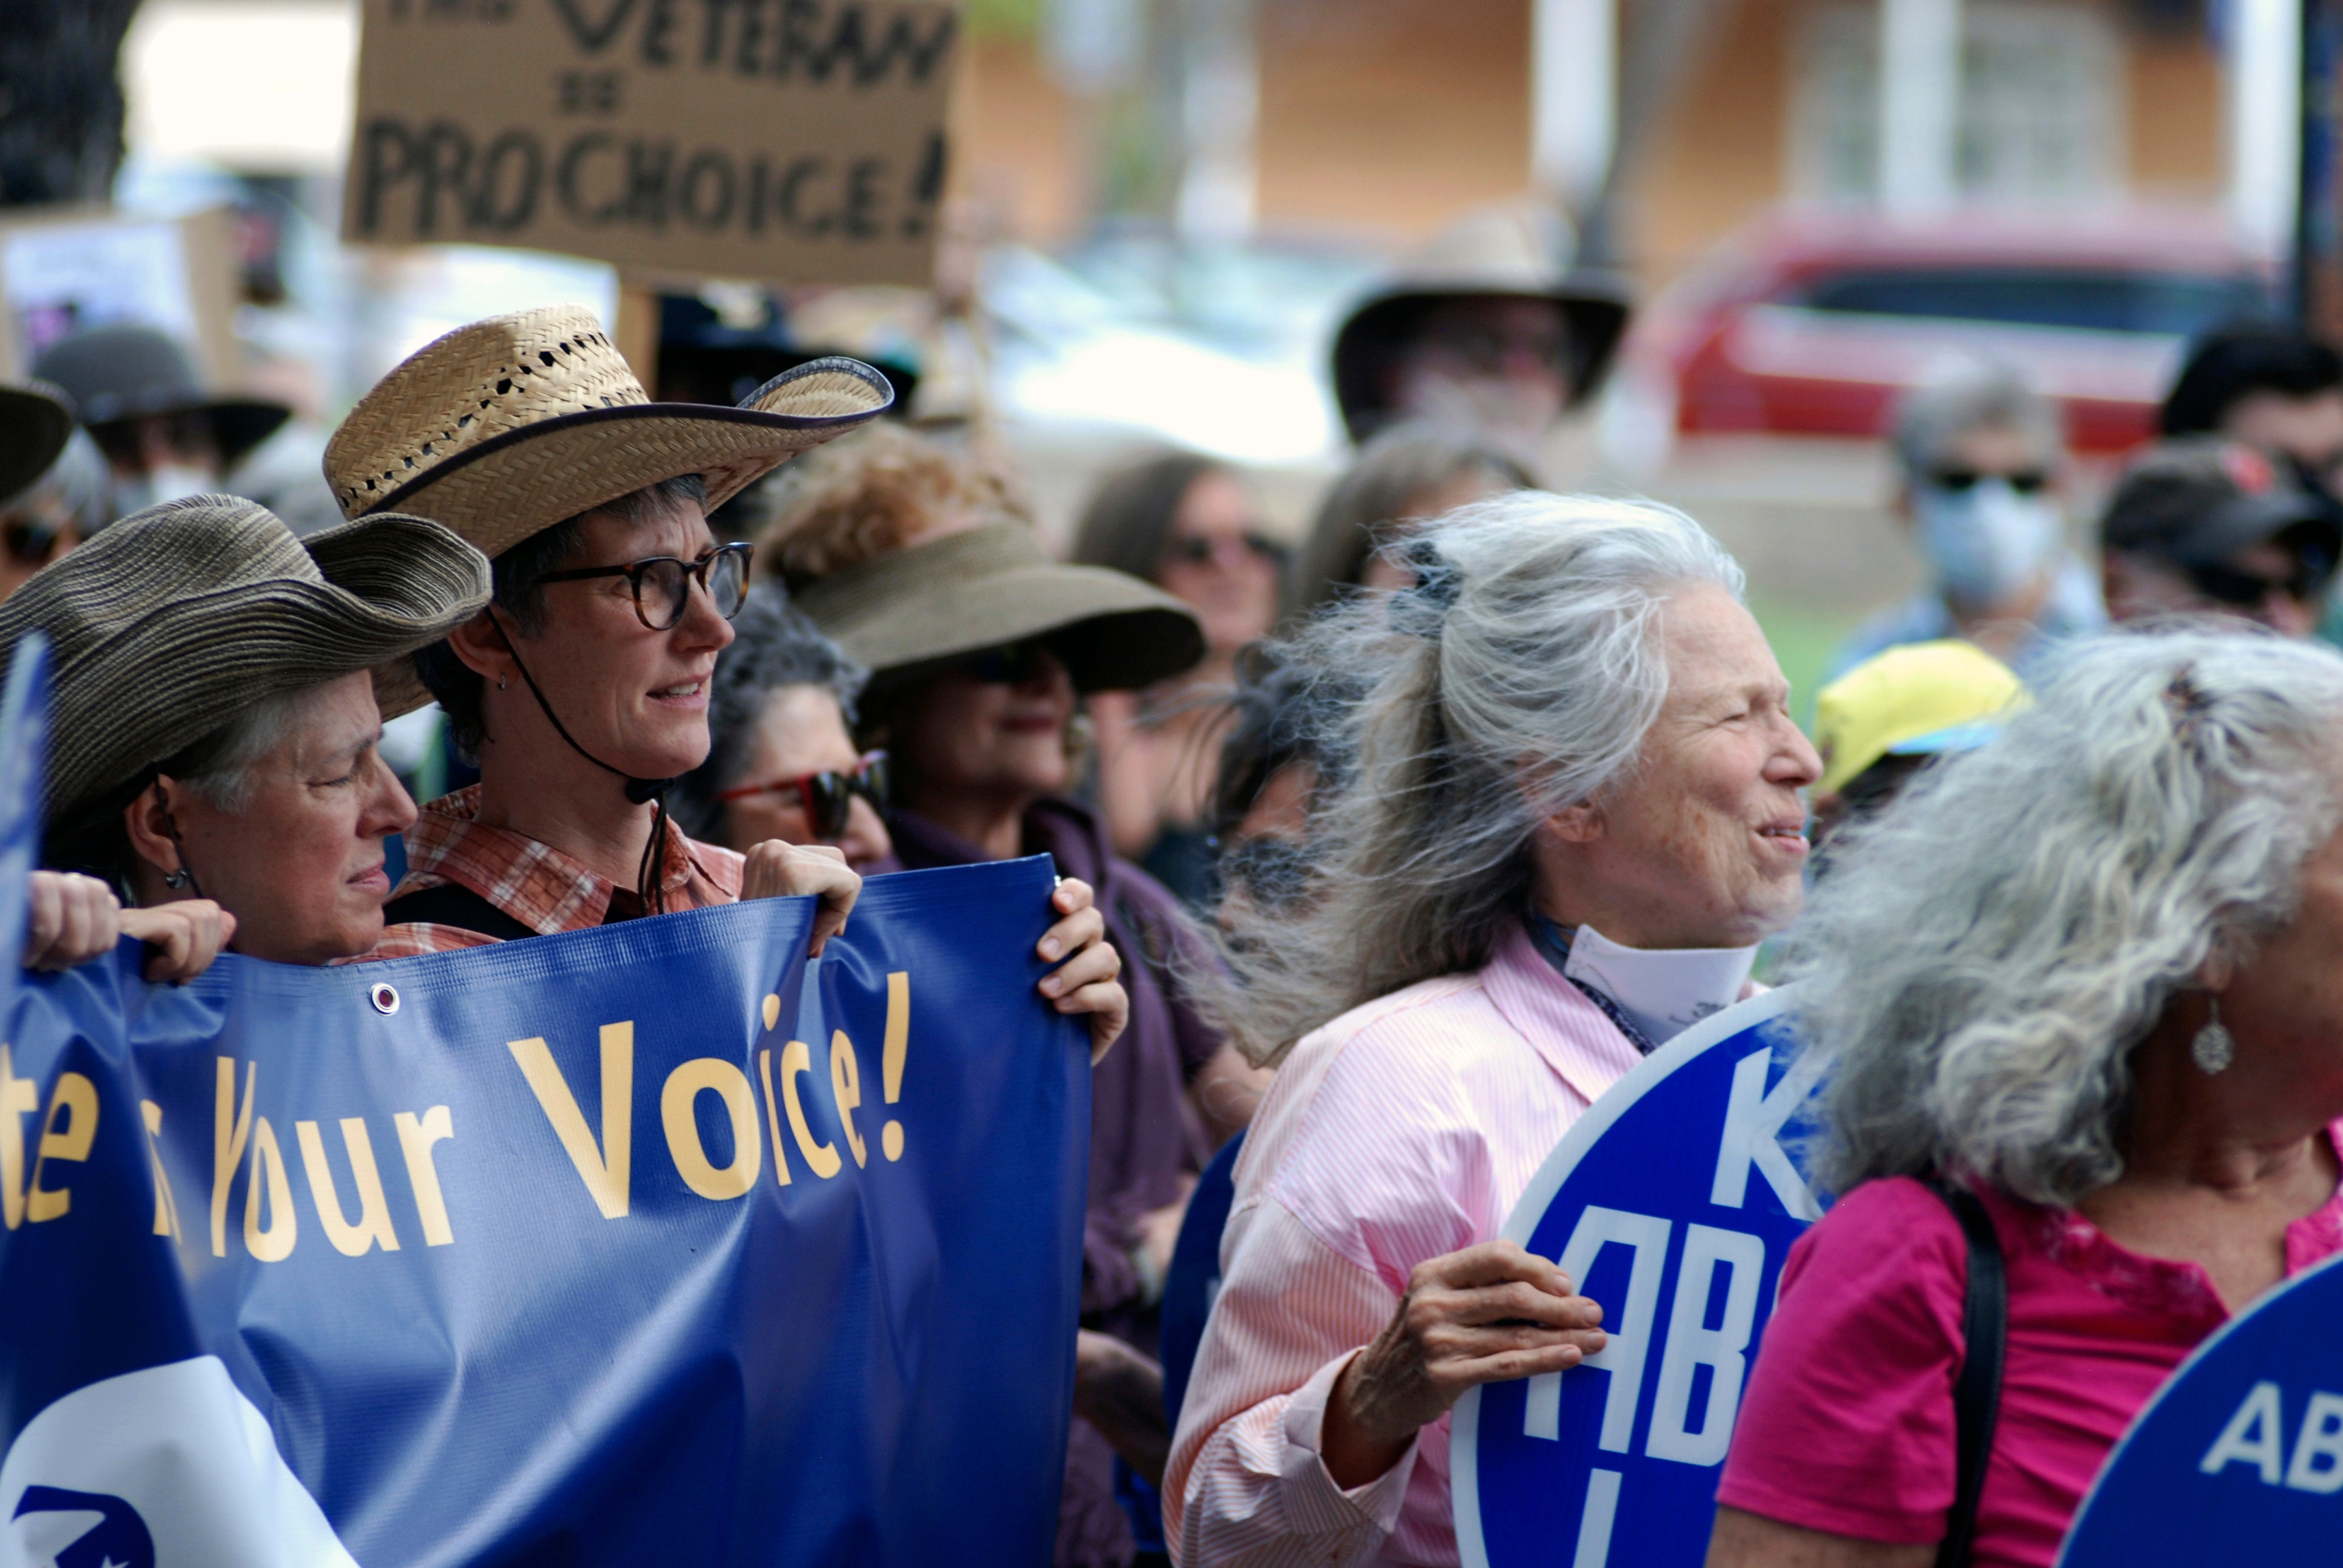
1404 1129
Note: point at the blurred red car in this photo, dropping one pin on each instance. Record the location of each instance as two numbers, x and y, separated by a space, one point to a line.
1815 326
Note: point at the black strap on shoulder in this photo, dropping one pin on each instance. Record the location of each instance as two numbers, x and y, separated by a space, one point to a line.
449 905
1977 1397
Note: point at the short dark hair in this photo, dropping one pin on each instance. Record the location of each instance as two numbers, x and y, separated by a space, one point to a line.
774 645
516 590
2239 359
1128 524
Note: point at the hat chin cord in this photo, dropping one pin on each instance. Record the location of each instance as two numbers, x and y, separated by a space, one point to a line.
650 873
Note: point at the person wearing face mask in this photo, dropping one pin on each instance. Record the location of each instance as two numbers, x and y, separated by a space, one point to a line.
1982 457
2208 527
1490 330
164 435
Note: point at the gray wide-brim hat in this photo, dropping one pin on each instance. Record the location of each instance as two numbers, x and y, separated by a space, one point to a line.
934 603
173 620
36 423
125 371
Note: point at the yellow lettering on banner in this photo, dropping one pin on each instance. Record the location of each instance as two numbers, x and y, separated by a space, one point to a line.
684 1086
76 1097
773 1117
797 1059
608 1171
166 1208
846 1088
19 1096
231 1126
890 1062
374 1209
273 1245
415 1140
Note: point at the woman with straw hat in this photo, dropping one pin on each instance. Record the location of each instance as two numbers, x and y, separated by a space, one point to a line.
218 689
583 686
916 561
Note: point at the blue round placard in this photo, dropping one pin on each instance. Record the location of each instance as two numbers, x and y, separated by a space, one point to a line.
2239 1457
1673 1201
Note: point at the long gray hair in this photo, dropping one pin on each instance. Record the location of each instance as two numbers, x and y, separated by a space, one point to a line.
1517 678
1983 956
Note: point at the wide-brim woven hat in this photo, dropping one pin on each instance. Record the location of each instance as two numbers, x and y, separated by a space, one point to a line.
1516 251
36 423
941 600
124 371
506 427
171 622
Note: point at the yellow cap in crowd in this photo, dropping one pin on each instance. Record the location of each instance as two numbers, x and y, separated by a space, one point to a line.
1914 700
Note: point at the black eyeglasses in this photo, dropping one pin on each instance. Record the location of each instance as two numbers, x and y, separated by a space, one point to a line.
2250 590
1012 663
1198 552
2025 481
662 584
826 798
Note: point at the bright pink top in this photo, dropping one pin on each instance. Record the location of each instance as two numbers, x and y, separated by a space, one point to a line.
1847 1424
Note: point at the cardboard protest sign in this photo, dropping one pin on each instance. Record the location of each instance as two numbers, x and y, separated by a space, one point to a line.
64 269
799 141
1674 1202
2239 1457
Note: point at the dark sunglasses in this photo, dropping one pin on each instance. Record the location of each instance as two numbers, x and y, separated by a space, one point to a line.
2249 590
662 584
1012 663
825 797
2025 481
29 544
1487 349
1200 552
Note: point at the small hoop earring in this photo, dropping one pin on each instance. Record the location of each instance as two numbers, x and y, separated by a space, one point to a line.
500 683
2215 1047
175 879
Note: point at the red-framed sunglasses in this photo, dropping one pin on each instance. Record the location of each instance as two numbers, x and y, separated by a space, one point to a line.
826 797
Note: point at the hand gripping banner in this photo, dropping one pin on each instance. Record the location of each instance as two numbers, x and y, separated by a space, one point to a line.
653 1244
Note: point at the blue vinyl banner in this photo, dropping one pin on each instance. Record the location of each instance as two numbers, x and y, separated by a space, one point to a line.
653 1244
2239 1456
1674 1202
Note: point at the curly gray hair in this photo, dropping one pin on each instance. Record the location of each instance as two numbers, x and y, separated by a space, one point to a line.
1518 678
1984 957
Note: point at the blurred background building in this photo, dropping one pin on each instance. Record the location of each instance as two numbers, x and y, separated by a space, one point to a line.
1164 207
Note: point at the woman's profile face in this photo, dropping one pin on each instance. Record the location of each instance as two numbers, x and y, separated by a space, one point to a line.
1000 739
802 731
1703 844
299 865
634 697
2284 1004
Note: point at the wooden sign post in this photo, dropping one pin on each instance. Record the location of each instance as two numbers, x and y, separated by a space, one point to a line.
797 141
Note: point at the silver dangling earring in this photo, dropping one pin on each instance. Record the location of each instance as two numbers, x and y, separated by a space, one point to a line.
500 683
175 879
2215 1047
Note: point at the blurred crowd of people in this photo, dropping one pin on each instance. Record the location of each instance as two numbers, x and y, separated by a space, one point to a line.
1395 846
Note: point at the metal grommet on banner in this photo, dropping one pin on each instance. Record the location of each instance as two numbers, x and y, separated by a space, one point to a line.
385 998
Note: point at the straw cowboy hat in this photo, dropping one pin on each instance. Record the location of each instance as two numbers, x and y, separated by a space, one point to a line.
35 426
1518 251
506 427
176 620
124 372
947 598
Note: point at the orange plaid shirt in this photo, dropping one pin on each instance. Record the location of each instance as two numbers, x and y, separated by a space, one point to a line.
535 883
